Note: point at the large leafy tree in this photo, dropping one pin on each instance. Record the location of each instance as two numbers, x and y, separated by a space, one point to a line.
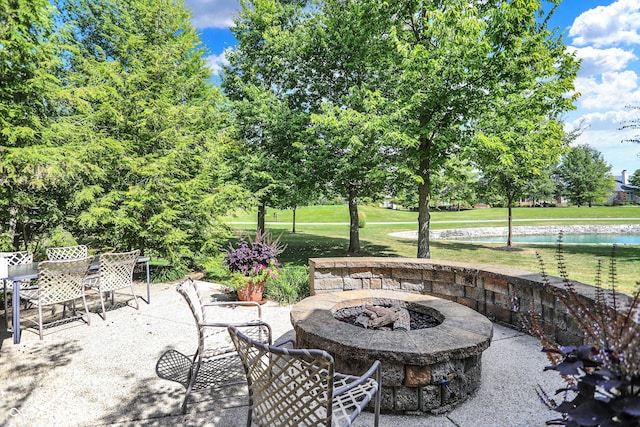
517 153
153 128
456 57
585 176
270 117
349 69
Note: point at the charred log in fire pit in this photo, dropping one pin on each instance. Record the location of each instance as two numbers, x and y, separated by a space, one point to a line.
385 318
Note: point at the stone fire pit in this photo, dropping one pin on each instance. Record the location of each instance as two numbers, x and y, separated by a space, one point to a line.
423 371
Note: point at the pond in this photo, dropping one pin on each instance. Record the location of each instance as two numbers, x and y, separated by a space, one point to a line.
577 239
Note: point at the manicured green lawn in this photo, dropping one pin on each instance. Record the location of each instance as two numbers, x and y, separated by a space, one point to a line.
323 231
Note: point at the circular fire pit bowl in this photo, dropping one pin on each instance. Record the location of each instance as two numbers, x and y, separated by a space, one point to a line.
426 370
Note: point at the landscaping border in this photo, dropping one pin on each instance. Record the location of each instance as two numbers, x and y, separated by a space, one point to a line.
499 293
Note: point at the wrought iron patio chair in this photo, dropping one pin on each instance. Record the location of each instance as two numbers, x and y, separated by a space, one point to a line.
58 282
115 272
15 258
299 387
215 364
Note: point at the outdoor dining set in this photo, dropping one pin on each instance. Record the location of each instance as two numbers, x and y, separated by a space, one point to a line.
63 279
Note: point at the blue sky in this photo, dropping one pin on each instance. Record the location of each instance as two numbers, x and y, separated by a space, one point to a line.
604 34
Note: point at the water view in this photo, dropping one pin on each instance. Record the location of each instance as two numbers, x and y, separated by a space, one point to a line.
582 239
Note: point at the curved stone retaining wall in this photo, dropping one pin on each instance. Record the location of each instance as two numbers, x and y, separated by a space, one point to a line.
498 293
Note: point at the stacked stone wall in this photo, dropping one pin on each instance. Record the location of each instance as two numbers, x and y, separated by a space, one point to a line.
499 293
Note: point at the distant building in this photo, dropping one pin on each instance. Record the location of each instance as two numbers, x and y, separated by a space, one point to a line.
624 192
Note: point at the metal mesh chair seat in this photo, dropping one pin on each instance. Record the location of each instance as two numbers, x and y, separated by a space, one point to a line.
215 363
58 283
114 272
15 258
67 252
299 387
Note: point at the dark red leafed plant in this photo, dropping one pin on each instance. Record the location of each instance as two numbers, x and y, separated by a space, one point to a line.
249 253
603 375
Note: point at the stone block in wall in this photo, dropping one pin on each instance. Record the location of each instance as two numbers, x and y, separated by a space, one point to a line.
417 376
537 300
448 289
498 313
387 398
392 374
407 399
427 287
465 278
328 284
445 370
474 293
412 286
375 283
381 272
468 302
360 272
430 397
391 284
548 298
525 302
407 274
351 284
439 276
501 300
326 273
496 284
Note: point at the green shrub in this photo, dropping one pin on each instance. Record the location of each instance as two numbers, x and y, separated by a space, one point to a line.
362 219
291 285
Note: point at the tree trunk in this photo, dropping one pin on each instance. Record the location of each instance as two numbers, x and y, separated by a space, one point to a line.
262 213
509 223
293 227
424 198
354 231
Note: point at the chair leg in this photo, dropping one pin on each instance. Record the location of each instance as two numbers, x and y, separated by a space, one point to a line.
40 319
104 312
86 309
377 398
6 305
135 298
193 374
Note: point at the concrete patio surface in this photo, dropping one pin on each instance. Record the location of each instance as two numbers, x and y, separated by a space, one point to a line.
104 374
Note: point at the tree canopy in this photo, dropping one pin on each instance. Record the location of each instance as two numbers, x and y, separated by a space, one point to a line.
132 148
585 176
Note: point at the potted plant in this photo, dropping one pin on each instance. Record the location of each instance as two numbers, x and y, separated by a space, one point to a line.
252 261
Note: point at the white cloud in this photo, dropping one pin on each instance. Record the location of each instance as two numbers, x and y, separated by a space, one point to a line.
613 90
212 13
618 23
596 61
215 62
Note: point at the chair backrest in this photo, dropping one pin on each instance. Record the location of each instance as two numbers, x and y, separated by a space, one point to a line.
116 269
60 281
287 387
67 252
17 258
189 291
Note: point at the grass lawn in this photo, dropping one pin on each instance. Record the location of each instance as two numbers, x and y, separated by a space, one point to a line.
323 231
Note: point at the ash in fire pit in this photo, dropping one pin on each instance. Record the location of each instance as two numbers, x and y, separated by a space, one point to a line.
381 317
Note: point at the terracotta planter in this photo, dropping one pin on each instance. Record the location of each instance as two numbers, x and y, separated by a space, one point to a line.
251 292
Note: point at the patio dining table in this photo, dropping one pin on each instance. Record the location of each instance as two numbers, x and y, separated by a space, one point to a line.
18 273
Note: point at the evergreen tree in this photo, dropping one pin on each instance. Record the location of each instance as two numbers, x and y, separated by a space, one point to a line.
154 129
32 163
